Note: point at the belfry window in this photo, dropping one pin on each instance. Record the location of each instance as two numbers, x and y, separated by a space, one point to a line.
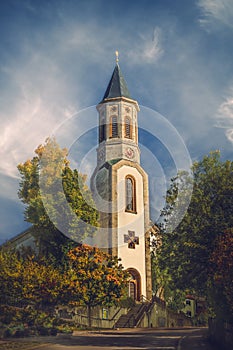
128 132
130 194
113 127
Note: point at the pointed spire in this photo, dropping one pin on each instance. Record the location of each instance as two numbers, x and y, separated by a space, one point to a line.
117 86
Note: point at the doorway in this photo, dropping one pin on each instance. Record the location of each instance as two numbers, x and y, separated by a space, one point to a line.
134 284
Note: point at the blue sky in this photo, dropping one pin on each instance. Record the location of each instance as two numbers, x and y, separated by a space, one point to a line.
57 56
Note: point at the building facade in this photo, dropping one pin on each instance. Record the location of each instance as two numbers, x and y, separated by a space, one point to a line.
120 186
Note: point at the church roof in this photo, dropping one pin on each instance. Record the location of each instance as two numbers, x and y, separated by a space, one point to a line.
117 86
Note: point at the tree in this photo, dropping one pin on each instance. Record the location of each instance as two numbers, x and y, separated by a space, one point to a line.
42 283
184 258
222 272
95 278
29 280
11 271
56 197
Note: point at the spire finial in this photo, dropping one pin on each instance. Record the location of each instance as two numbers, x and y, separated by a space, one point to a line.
117 56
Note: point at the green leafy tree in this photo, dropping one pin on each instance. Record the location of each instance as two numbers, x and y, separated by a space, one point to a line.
95 278
11 272
56 197
221 281
184 258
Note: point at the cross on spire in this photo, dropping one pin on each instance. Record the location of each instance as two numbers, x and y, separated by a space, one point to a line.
131 239
117 56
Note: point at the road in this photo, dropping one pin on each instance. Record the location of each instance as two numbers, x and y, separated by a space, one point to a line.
127 339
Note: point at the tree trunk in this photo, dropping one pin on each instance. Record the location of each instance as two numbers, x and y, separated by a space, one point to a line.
89 315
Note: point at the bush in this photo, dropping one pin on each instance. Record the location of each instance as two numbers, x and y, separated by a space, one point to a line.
42 330
127 302
16 322
53 331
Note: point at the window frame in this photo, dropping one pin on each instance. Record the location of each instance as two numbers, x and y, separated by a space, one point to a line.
113 134
133 200
128 128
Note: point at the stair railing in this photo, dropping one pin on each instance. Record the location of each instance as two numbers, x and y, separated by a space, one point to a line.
144 299
128 323
115 315
140 313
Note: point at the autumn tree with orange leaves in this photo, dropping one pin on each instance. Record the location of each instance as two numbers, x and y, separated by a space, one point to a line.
90 278
95 278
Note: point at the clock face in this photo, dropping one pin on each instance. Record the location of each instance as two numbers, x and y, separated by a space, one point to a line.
129 153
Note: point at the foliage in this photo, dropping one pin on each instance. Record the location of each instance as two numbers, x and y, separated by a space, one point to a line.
127 302
183 260
222 268
41 283
28 281
56 197
11 274
90 277
95 278
20 322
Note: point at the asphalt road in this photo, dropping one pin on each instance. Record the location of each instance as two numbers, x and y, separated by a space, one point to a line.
128 339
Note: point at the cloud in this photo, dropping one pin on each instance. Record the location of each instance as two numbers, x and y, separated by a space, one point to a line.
41 86
35 101
216 11
27 123
225 116
147 49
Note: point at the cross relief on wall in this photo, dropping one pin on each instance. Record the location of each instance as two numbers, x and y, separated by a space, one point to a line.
131 239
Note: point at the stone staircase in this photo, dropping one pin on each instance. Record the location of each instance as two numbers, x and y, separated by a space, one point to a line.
132 318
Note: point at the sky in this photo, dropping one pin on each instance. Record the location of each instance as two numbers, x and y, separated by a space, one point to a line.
57 57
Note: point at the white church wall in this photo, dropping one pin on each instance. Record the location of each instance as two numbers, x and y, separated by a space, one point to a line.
131 258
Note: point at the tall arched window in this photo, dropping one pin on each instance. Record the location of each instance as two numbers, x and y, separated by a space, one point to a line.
130 194
113 127
128 129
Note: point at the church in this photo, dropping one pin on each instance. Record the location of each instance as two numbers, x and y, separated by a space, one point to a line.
120 186
120 189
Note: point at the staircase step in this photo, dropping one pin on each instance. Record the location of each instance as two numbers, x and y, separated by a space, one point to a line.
128 320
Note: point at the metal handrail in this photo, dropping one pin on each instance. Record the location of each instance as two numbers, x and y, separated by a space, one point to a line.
141 312
144 299
128 321
114 316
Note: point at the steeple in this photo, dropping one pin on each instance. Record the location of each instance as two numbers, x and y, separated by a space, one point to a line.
118 122
120 185
117 86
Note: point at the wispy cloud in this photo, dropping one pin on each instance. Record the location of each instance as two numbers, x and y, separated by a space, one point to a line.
214 11
225 116
147 49
37 108
44 84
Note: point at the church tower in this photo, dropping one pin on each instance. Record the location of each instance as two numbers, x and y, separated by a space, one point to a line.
120 186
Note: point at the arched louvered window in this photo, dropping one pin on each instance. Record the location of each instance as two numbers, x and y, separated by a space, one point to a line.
113 127
130 194
128 128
